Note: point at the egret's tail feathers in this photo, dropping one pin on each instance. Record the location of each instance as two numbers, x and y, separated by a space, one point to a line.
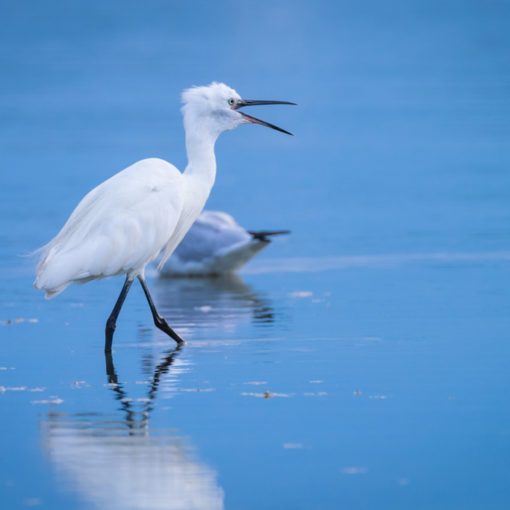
36 251
54 274
50 293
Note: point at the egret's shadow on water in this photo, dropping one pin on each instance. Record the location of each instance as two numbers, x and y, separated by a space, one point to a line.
120 462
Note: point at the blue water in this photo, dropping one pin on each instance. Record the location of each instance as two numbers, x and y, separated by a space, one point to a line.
360 362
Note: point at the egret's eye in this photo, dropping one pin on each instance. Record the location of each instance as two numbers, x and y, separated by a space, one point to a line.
231 101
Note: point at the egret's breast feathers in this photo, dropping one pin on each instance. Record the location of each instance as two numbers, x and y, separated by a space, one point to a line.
195 195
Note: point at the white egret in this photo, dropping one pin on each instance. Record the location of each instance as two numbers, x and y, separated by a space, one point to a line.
123 224
216 244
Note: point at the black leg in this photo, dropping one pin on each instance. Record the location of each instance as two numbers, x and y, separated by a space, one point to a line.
112 320
158 320
110 368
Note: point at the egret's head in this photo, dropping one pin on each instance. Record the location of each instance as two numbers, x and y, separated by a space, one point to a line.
215 109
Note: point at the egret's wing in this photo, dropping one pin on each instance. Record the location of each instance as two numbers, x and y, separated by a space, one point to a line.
118 227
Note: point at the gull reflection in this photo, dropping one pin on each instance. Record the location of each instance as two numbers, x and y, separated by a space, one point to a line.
118 462
223 302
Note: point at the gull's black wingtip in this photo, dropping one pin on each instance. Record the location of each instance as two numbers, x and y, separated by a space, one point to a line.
263 235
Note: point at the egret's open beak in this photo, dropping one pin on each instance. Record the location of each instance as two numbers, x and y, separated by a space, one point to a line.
250 102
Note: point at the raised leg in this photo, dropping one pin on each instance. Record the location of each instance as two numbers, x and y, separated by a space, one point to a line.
158 320
112 320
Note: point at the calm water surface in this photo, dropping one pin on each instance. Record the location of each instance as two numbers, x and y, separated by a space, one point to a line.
361 362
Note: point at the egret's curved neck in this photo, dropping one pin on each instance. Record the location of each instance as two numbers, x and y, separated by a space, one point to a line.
201 159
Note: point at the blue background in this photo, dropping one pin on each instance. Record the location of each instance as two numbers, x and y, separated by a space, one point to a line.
392 289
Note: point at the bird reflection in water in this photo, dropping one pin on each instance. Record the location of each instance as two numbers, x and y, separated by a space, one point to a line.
220 303
122 463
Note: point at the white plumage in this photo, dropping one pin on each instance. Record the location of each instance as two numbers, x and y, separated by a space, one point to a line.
122 224
215 244
117 228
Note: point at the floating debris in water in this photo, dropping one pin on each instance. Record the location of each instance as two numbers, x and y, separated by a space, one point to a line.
356 393
380 397
80 384
55 400
256 383
8 322
301 294
313 394
266 394
7 368
316 381
3 389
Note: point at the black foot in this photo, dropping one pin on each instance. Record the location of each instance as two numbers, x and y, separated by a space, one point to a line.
162 324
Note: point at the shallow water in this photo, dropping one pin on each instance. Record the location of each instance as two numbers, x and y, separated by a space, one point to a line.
360 362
